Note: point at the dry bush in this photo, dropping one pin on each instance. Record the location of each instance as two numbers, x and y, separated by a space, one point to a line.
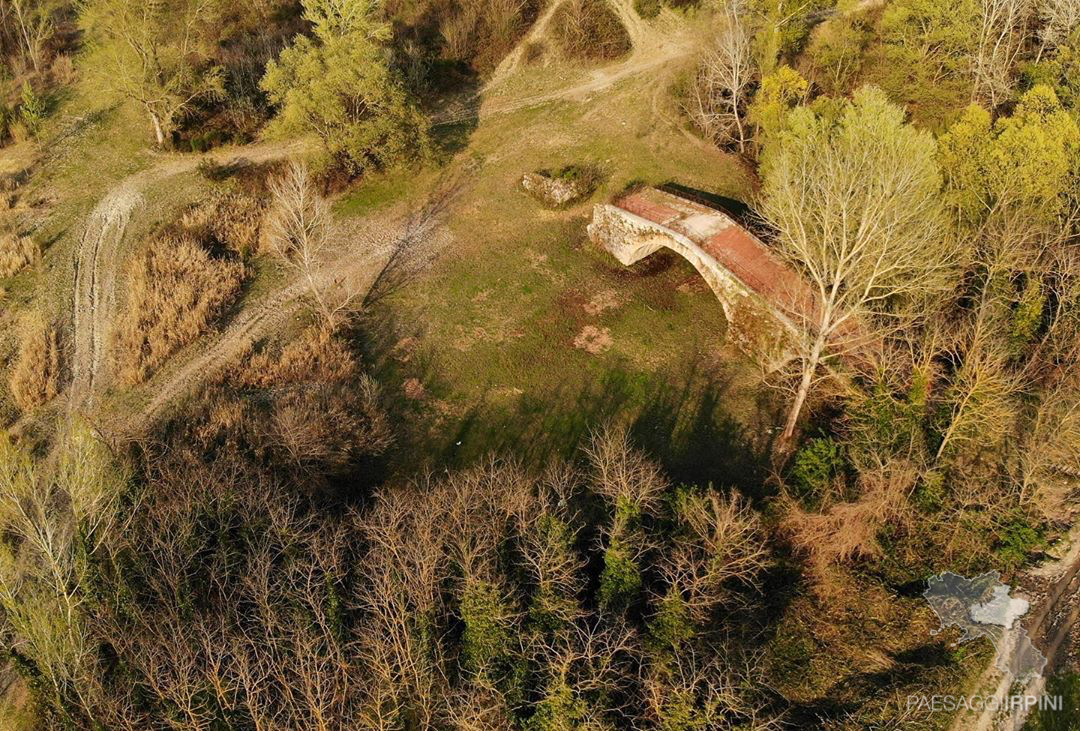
176 290
35 379
308 407
481 32
315 356
16 252
231 221
323 429
589 30
844 531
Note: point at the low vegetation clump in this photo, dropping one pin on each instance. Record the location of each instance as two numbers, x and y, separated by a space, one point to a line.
35 377
230 221
589 30
563 187
481 32
318 413
176 289
16 253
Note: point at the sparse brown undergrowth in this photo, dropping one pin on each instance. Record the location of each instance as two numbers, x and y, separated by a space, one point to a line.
307 406
185 279
589 30
177 289
483 31
35 377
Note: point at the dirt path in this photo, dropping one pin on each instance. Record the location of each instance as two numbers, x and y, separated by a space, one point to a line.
652 47
536 34
96 264
596 81
636 29
352 272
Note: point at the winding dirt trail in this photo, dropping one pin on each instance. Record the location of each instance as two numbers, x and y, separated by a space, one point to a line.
97 265
370 248
636 28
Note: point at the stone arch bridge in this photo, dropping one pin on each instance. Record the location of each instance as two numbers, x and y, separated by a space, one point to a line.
767 304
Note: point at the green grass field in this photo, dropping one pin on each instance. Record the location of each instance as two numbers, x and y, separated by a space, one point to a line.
523 335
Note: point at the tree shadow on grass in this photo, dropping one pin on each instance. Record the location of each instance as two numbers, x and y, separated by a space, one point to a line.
680 418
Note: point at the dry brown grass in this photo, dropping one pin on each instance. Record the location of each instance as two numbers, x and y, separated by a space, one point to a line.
177 289
481 32
590 30
317 356
16 252
231 221
35 378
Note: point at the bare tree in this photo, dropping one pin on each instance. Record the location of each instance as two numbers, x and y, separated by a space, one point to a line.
299 232
1001 35
35 25
721 541
622 473
720 92
857 210
1058 19
1049 453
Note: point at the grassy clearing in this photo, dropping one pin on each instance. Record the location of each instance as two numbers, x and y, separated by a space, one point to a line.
523 335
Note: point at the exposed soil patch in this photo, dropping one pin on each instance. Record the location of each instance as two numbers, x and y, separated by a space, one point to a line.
594 340
607 299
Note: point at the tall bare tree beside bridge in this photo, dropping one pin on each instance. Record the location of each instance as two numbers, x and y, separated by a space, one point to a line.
856 204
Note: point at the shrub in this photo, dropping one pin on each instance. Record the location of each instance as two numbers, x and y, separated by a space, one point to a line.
648 8
16 252
31 110
176 290
1017 538
620 580
815 466
36 375
589 30
486 618
6 118
320 411
929 495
